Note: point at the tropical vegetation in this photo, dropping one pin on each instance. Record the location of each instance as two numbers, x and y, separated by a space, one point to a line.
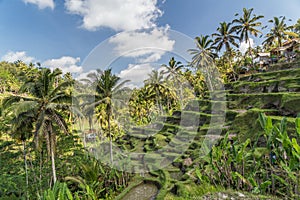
52 123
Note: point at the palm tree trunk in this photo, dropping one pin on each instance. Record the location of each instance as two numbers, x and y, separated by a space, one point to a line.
250 53
25 165
83 131
181 98
110 138
230 64
158 101
209 75
40 175
52 142
53 165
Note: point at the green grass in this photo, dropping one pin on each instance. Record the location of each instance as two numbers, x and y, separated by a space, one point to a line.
273 74
192 191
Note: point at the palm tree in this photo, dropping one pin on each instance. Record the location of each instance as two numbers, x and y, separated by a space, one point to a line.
140 105
246 26
155 85
106 86
278 32
42 104
225 37
21 130
203 56
90 84
297 27
93 77
173 71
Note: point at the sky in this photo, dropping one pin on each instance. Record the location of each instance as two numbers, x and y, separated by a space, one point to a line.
133 36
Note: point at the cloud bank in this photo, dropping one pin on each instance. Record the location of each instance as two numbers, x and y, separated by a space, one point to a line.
18 55
42 4
119 15
65 63
146 46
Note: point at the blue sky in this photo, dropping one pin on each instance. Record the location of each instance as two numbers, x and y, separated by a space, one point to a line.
64 32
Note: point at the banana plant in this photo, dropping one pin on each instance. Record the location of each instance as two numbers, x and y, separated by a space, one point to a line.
60 191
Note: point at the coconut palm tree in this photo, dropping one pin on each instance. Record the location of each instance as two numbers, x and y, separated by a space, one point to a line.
203 56
20 129
40 103
246 25
173 71
297 27
106 86
155 85
90 84
225 37
278 33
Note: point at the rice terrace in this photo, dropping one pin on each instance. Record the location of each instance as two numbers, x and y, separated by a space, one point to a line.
149 99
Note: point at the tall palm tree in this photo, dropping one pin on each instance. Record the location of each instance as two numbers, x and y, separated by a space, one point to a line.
278 33
42 104
90 84
20 129
173 71
247 25
225 37
155 85
106 86
297 27
203 56
93 77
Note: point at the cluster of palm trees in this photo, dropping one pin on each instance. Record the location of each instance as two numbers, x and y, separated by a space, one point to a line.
43 106
104 88
241 29
40 110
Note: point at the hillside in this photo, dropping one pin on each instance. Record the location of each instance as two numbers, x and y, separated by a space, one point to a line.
275 93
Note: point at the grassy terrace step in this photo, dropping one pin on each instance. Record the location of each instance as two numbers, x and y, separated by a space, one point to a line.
168 129
284 66
217 95
212 131
277 85
287 103
277 119
263 76
174 119
200 118
205 105
141 132
213 137
263 82
246 125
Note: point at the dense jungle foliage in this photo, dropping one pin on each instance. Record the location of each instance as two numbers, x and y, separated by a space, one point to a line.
48 133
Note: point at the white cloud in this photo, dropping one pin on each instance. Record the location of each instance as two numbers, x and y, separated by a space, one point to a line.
147 46
136 74
18 55
65 63
42 3
83 75
244 46
119 15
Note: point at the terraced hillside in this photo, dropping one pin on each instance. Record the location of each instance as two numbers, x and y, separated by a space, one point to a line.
235 111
